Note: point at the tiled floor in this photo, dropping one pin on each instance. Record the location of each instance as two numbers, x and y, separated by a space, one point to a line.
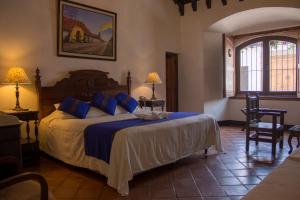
225 176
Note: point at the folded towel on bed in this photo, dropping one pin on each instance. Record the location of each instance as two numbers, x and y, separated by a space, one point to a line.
152 115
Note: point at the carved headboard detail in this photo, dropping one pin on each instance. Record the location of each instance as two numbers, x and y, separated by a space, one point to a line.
81 84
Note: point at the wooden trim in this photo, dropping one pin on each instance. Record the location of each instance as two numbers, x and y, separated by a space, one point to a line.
231 123
266 32
275 98
224 64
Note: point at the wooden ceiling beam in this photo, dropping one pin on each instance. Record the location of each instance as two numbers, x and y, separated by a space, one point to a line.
224 2
208 4
194 3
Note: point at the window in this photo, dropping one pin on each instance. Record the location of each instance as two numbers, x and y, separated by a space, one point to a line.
268 66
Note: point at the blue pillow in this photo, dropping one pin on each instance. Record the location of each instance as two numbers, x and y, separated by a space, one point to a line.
74 107
127 102
104 102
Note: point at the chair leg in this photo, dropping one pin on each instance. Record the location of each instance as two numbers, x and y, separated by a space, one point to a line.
205 153
247 141
257 138
281 140
274 146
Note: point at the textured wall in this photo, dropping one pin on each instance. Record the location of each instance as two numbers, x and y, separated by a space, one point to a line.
145 31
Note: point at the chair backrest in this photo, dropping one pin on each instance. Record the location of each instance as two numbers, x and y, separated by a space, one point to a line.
252 107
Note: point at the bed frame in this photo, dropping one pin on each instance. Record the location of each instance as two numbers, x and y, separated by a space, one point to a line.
81 84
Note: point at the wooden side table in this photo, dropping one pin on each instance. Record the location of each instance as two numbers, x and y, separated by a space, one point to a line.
10 144
30 147
294 132
152 104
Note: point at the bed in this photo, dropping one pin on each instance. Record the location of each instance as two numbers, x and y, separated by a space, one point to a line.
134 149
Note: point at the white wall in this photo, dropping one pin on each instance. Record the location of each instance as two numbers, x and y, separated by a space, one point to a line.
214 103
192 80
145 31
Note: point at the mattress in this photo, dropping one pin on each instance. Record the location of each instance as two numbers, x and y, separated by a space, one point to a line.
134 149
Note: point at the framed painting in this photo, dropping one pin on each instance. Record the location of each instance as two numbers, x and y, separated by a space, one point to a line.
86 32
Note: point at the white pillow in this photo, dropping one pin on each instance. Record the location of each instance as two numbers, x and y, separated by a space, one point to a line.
120 110
56 106
138 109
95 112
57 114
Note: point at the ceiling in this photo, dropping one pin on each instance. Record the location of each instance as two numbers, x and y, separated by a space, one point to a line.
259 19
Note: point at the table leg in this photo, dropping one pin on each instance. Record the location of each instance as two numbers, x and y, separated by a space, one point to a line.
36 130
28 131
290 142
205 153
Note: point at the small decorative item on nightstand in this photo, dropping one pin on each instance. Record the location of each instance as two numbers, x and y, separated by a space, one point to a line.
30 147
17 75
144 102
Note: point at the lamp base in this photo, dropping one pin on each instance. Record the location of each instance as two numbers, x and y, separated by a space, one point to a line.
19 109
153 98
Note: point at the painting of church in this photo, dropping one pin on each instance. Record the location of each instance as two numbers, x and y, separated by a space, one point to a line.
86 32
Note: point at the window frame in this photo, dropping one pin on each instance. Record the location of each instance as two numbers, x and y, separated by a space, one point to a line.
266 65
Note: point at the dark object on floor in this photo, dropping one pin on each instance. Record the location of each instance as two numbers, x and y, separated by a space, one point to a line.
10 144
28 185
259 131
294 132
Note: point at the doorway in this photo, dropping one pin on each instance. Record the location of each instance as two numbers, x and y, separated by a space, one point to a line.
172 81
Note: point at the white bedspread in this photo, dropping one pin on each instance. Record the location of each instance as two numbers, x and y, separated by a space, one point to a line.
134 149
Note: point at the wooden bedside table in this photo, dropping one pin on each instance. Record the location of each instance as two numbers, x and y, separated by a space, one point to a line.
10 144
30 147
152 104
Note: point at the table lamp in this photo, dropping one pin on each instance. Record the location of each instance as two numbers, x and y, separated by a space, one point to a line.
17 75
153 78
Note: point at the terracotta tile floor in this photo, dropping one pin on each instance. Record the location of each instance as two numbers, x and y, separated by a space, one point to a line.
219 177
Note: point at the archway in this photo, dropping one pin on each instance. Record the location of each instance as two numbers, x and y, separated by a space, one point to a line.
253 20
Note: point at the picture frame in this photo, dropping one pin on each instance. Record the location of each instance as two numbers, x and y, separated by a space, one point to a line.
86 32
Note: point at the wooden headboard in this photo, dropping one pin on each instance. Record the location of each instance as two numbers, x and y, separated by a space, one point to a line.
81 84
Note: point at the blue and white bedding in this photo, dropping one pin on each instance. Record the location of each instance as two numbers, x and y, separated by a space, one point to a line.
98 138
134 149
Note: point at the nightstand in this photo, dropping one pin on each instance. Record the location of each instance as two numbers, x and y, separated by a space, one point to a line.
30 146
10 144
152 104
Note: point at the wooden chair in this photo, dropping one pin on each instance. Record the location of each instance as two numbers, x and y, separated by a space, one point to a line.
22 186
259 131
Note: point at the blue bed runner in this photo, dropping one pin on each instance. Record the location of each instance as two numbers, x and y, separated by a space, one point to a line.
98 138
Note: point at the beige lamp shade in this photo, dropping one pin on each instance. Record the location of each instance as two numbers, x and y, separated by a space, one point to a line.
153 78
16 75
